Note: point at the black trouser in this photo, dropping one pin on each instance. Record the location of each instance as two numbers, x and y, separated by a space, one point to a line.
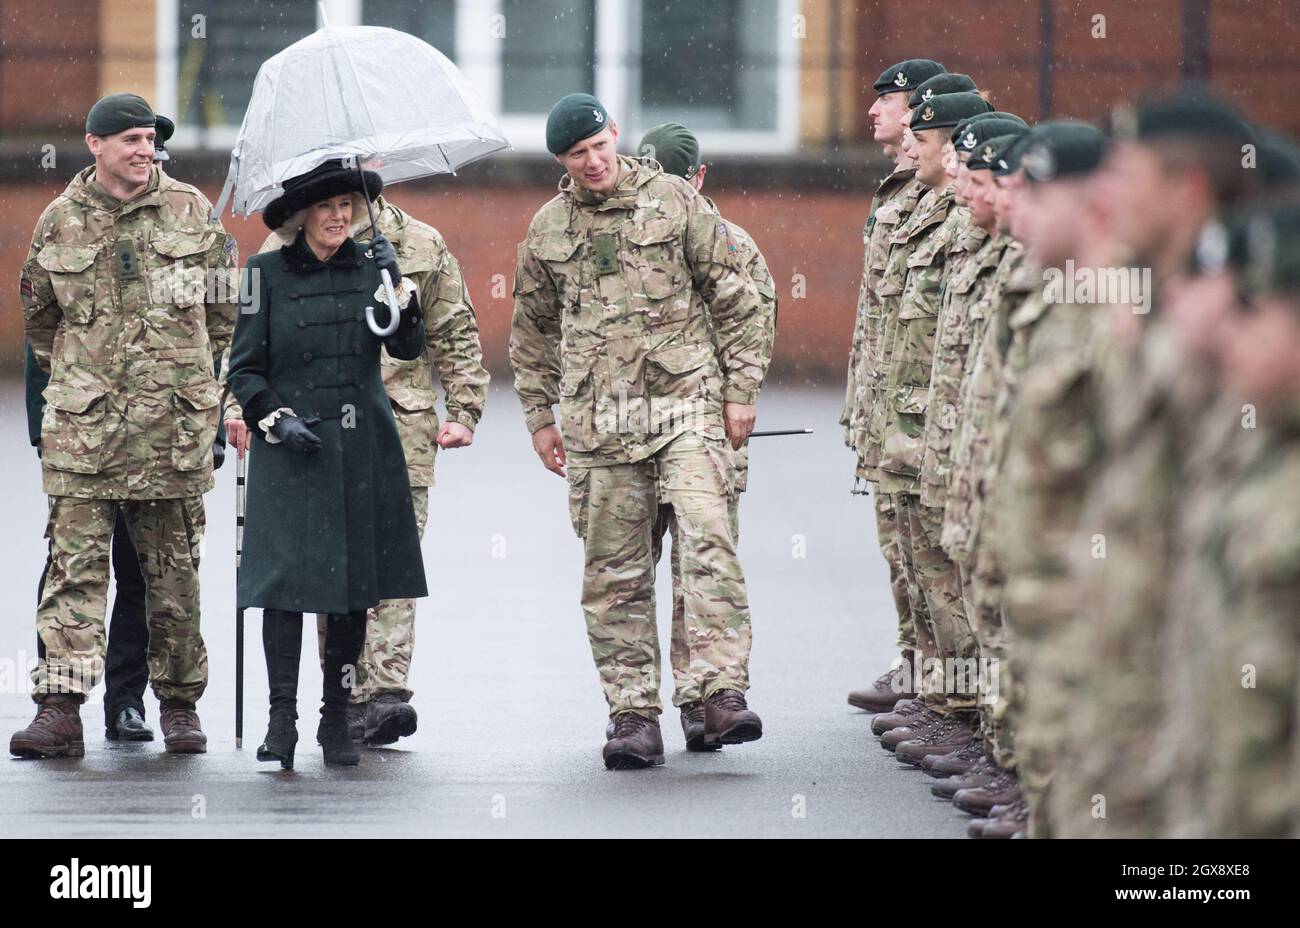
126 665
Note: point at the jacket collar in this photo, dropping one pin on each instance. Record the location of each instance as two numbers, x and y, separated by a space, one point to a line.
87 191
632 174
300 259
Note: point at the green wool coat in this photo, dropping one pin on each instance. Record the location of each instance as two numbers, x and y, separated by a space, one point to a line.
332 532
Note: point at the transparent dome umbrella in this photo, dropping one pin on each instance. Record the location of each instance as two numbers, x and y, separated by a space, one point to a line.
376 97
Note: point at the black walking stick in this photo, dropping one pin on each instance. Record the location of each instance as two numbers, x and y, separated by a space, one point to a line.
240 466
771 432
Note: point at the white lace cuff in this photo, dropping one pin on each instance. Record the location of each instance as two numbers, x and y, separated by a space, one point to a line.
266 423
404 288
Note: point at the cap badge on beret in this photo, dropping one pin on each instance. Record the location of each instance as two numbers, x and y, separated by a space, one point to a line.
900 79
927 114
1039 163
596 114
1212 248
929 92
1002 164
989 154
968 141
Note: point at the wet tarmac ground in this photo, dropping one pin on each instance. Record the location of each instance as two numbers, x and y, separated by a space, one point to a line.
511 715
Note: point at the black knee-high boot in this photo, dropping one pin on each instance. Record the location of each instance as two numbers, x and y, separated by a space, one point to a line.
282 642
344 637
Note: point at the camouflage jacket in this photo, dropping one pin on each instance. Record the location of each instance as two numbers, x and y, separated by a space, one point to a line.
755 265
450 327
634 313
972 259
912 290
895 198
1011 284
127 305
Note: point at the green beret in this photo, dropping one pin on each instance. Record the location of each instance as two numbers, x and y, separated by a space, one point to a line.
906 75
576 117
946 110
961 127
674 146
118 112
940 83
1062 148
1187 112
1005 159
971 133
164 129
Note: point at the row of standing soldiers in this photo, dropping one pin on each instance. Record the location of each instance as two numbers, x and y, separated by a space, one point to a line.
1074 395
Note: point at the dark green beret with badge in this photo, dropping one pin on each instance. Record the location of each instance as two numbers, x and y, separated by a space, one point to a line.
1188 112
576 117
1011 118
165 129
946 110
906 75
939 84
1000 155
1260 246
972 133
118 112
675 148
1062 149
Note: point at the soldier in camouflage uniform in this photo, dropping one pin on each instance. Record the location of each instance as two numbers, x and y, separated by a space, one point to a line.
118 308
912 288
379 711
1226 754
895 198
678 152
610 321
1153 399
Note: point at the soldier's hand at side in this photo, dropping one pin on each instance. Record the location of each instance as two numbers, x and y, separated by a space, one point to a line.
218 456
550 448
454 435
739 420
237 436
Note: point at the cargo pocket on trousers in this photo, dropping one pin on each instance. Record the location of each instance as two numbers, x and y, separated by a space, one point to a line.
194 412
579 494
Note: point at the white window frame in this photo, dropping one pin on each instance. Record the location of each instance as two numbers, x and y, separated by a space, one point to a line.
617 37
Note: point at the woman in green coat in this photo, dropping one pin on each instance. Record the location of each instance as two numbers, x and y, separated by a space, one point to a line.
329 525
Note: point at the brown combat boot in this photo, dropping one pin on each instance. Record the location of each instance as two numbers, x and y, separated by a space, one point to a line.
1003 789
55 732
693 728
905 712
636 742
729 720
181 731
947 738
888 689
956 763
915 729
1007 821
982 773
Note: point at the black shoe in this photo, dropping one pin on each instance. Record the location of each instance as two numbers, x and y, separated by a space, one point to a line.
332 734
281 739
128 726
693 728
389 717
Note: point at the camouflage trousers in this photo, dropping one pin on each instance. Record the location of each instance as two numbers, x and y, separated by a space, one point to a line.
385 665
938 615
615 511
687 688
168 536
887 532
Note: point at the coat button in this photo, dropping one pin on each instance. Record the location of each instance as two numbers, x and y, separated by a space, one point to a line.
306 356
302 323
311 386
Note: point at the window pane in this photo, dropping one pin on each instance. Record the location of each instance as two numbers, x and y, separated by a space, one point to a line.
709 65
549 51
216 72
431 20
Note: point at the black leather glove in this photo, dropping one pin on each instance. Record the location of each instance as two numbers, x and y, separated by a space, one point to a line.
296 434
385 256
218 456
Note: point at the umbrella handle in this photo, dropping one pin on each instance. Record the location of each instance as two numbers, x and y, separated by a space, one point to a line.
395 320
